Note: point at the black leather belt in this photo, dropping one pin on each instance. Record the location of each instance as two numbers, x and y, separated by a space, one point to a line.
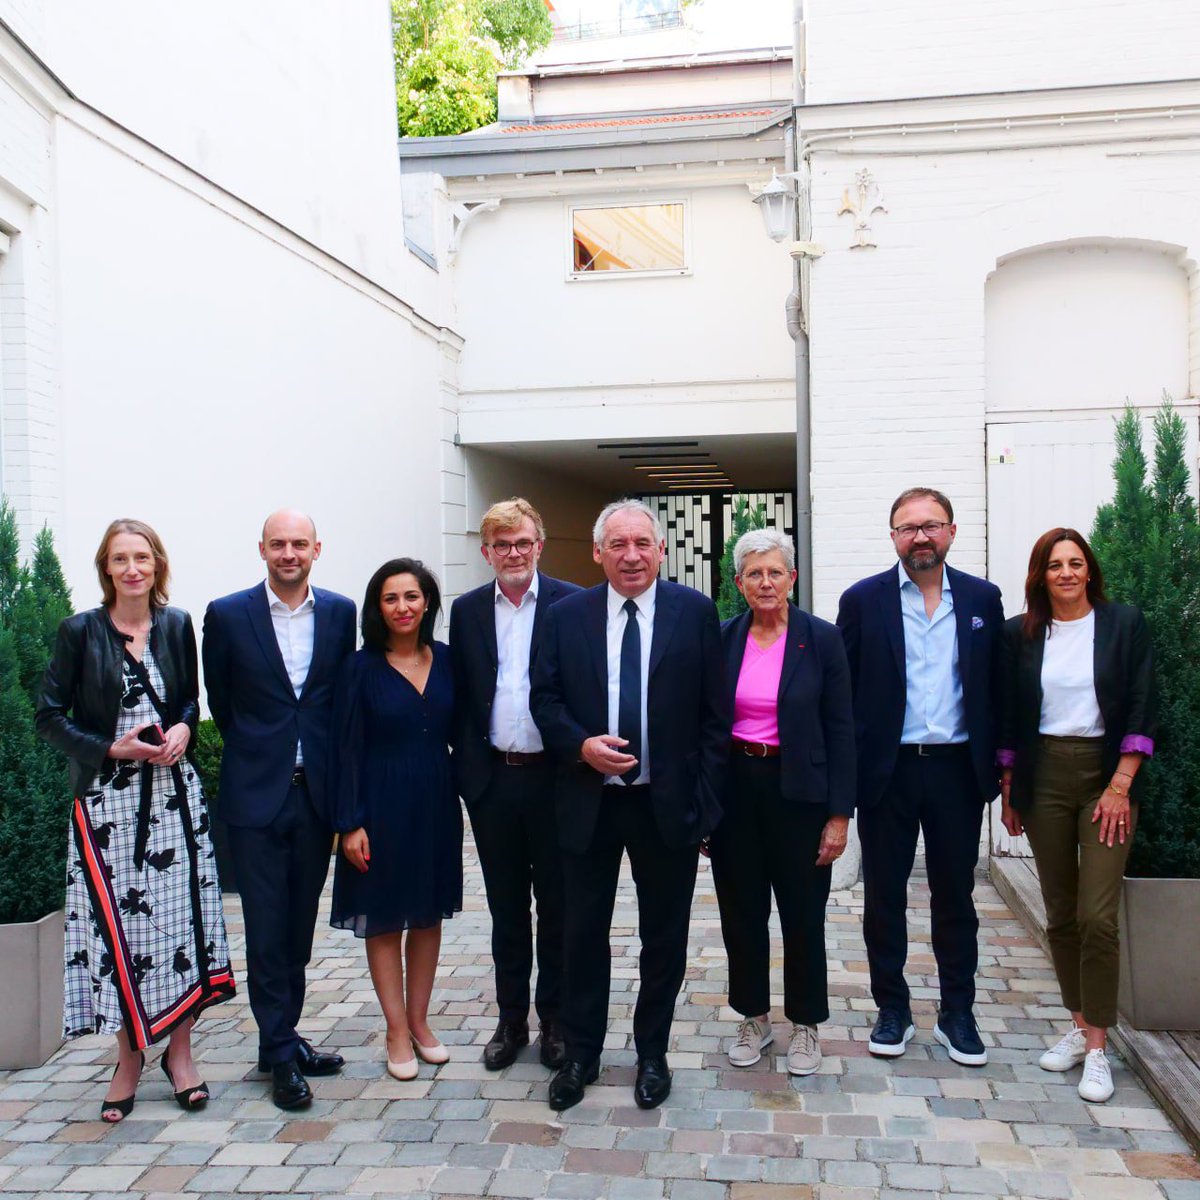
298 777
519 758
754 749
934 749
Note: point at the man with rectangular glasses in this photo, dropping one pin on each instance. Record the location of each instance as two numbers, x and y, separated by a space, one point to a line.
921 640
504 777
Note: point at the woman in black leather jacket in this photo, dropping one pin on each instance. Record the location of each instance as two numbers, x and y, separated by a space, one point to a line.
145 937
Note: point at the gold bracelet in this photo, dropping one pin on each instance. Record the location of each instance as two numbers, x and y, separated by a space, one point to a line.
1116 791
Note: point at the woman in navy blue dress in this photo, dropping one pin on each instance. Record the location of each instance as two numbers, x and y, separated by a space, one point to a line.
400 868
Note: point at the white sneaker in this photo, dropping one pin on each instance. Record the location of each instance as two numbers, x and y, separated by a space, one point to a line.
753 1037
804 1050
1069 1051
1096 1086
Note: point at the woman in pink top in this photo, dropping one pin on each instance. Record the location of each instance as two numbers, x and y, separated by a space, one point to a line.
788 800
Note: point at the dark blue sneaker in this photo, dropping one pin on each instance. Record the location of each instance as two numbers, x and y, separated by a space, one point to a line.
957 1032
892 1033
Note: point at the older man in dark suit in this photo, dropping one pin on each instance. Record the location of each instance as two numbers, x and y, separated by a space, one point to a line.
505 776
922 638
628 693
271 655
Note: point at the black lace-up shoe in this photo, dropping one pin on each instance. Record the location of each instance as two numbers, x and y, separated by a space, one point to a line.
892 1033
958 1033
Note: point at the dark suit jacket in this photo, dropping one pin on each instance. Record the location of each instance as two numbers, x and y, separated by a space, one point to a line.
816 715
686 707
259 715
81 690
870 619
1123 665
475 659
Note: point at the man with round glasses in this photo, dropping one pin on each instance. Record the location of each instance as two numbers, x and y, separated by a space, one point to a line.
504 777
921 641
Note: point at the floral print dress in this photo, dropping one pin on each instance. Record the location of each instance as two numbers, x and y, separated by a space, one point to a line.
145 936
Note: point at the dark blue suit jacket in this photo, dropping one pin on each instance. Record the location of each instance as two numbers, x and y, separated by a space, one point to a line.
259 715
816 718
686 707
475 658
872 626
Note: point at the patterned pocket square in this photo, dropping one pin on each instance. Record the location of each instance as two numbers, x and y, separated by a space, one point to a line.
976 622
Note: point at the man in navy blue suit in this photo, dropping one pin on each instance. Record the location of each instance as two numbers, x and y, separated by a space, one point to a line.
505 776
921 639
271 655
628 694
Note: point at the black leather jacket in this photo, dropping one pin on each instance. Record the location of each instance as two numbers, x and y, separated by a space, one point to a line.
81 690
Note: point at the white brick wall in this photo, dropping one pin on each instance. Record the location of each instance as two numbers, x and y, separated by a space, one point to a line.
870 49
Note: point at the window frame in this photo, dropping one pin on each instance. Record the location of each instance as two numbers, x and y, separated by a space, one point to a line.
574 206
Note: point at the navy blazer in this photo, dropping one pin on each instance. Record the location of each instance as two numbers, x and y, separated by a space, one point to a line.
259 715
815 710
1123 671
872 626
475 659
686 707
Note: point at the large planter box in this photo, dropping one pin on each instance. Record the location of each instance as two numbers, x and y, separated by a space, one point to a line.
1160 968
31 991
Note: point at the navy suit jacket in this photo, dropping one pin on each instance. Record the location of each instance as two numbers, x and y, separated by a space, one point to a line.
872 626
686 708
815 713
259 715
475 658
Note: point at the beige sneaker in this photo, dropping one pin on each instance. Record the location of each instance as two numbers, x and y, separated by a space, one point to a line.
1096 1085
753 1037
804 1050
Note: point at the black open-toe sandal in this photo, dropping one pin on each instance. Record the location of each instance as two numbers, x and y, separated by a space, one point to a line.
190 1099
123 1107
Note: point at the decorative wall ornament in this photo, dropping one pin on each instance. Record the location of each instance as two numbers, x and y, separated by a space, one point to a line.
862 200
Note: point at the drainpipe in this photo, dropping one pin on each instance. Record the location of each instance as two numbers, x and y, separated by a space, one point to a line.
797 326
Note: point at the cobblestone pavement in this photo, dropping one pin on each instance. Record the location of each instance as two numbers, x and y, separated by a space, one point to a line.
906 1129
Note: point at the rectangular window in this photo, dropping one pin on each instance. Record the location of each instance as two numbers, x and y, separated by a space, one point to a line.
639 237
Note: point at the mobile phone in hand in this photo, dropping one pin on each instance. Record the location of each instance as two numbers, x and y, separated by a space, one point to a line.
152 735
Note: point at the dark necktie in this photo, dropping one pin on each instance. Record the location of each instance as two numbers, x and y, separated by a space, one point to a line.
629 705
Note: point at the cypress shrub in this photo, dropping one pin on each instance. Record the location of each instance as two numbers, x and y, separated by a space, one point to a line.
35 800
731 602
1148 542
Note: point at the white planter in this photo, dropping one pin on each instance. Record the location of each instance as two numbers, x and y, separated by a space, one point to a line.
1160 969
31 991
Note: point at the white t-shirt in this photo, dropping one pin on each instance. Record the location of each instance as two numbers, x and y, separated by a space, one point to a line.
1069 704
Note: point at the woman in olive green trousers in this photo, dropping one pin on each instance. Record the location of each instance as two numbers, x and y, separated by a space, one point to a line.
1077 722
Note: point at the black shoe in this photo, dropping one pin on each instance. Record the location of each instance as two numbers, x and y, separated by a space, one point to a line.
958 1033
291 1089
551 1048
509 1037
892 1033
189 1099
124 1106
653 1083
310 1061
566 1088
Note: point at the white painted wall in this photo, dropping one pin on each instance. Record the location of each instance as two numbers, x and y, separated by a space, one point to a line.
1086 326
549 357
899 364
873 49
210 374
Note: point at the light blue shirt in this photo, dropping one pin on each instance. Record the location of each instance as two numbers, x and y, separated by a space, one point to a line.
933 707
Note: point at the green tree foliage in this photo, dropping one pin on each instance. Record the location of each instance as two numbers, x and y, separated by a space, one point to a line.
35 796
447 54
731 602
1148 542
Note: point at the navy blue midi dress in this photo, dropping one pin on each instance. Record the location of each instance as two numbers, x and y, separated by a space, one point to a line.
390 774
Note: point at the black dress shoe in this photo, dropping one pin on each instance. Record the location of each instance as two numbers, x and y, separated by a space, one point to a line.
290 1088
552 1050
653 1084
566 1088
310 1061
506 1041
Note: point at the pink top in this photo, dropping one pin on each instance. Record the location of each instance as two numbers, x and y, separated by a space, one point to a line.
756 701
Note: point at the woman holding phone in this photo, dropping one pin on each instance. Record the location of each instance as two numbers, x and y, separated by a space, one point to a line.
145 936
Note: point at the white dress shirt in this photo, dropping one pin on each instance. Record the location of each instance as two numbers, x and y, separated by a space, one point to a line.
1069 704
617 618
294 631
512 726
